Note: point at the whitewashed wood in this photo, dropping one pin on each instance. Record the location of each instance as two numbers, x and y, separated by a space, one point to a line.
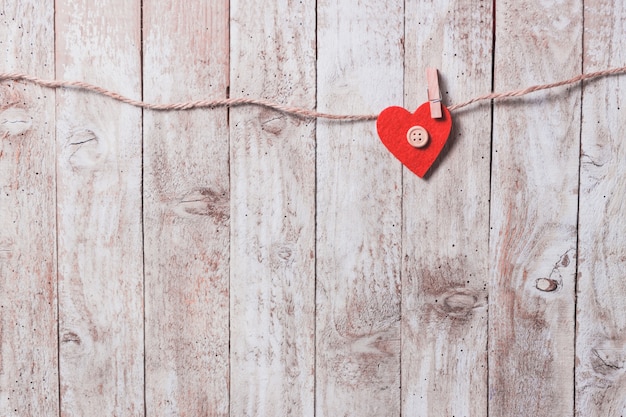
601 290
360 56
186 206
446 218
99 210
28 298
272 211
534 210
360 198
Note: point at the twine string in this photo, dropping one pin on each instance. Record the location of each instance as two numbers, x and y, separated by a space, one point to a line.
294 111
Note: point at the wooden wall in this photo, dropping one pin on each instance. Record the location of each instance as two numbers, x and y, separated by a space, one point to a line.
242 262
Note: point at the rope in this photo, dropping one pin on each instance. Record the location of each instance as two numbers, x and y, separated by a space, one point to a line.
294 111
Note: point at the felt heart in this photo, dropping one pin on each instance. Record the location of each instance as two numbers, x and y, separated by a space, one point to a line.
393 125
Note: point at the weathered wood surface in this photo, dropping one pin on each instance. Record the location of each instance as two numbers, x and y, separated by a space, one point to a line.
272 173
245 263
534 197
445 242
359 191
28 284
186 210
601 305
100 267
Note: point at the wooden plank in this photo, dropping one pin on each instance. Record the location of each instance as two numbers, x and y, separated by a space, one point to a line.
601 291
186 206
99 210
28 283
446 218
534 211
272 211
360 55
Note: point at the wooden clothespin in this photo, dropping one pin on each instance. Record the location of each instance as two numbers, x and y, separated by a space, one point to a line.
434 94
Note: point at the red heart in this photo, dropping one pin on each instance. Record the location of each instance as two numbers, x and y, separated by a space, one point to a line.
393 124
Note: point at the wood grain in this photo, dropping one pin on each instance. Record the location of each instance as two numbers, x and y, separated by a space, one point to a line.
99 211
360 56
272 211
534 210
601 291
445 242
294 267
186 210
28 283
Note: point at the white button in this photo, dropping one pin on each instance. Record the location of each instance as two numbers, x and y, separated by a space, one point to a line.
417 136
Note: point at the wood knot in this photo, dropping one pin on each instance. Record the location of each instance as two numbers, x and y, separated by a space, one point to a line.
204 201
607 360
546 284
73 344
282 255
458 302
86 149
15 121
70 337
274 125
